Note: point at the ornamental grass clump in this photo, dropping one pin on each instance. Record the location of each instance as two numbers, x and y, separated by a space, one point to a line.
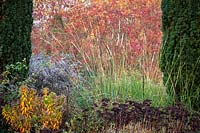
106 36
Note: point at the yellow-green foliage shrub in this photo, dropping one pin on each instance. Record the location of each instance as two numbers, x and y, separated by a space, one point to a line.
44 111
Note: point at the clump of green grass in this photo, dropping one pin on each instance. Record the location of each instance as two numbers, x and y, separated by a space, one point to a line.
127 86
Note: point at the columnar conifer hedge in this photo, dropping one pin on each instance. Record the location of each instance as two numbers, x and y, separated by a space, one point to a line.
15 31
180 52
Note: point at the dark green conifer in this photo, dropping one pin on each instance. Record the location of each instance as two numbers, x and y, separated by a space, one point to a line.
180 52
15 31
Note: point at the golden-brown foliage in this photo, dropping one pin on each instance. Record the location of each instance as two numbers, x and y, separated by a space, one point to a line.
30 110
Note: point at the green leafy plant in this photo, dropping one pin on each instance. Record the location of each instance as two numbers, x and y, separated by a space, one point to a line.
14 73
11 79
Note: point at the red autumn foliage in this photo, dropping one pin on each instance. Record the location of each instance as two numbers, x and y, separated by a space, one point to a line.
124 32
